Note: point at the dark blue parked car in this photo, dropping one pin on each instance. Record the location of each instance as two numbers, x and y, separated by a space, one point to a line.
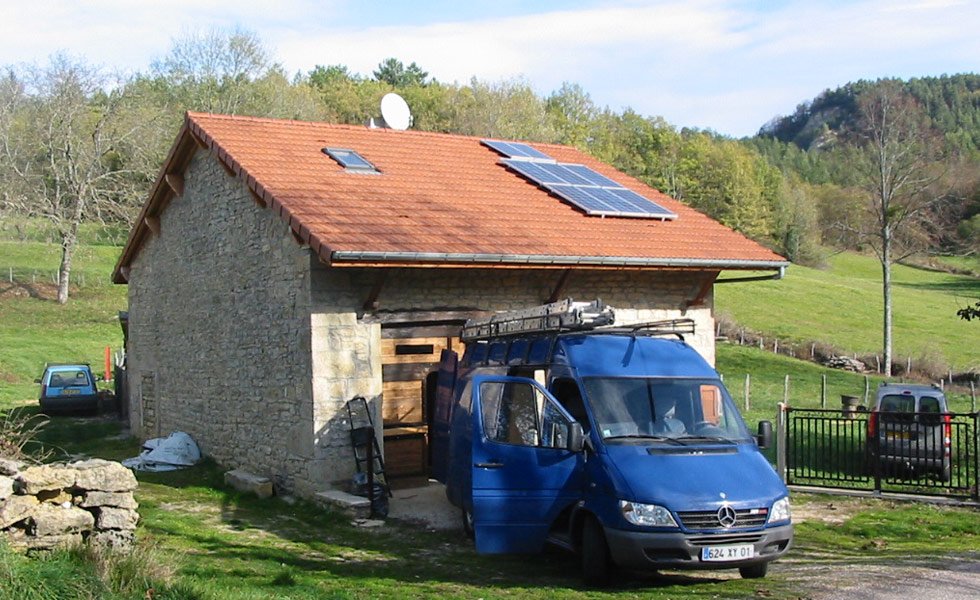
614 443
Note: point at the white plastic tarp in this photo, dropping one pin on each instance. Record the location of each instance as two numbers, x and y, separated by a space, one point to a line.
176 451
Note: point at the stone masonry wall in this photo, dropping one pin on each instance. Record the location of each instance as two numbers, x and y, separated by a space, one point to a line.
52 506
219 343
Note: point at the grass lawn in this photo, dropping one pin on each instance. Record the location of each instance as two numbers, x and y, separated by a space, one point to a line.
214 543
842 306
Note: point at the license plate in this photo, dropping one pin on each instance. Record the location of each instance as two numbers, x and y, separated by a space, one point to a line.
897 435
724 553
68 392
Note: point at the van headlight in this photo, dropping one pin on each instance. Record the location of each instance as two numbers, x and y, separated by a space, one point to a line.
648 515
780 510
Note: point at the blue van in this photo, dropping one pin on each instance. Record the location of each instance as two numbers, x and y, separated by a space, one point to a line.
68 388
616 443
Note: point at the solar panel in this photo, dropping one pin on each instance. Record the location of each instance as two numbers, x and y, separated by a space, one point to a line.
594 193
515 150
349 159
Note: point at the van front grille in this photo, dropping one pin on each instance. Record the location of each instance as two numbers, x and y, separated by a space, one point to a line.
713 519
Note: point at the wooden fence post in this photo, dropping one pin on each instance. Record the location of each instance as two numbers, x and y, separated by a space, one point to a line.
867 389
786 390
747 386
775 346
973 397
823 391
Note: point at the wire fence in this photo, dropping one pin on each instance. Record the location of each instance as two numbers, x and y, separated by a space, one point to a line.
19 276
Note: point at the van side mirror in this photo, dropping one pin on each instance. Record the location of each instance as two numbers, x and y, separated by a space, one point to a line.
576 437
764 438
37 381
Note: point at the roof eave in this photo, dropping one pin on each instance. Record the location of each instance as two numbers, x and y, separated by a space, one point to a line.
418 259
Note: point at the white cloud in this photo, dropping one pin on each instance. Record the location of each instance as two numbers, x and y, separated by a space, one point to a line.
729 65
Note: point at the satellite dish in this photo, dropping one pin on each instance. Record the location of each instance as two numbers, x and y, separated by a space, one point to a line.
395 111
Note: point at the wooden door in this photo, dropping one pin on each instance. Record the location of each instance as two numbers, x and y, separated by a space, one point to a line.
409 354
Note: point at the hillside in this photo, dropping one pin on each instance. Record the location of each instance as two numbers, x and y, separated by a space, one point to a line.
842 306
952 103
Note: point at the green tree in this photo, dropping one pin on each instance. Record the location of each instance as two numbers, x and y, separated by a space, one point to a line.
67 148
393 72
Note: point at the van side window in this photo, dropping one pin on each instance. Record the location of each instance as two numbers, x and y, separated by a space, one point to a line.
566 391
518 413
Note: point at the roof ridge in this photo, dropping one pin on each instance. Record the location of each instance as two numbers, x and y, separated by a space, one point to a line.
417 132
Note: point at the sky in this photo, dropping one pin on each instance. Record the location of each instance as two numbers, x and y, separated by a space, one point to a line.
725 65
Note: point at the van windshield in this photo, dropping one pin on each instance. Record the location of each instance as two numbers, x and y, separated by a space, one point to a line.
664 409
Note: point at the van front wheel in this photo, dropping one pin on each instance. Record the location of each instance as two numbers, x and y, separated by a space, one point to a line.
754 571
596 563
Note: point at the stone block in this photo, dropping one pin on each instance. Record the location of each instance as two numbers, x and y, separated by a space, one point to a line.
103 476
33 480
54 497
21 541
6 487
117 518
115 499
10 467
53 520
349 504
243 481
17 509
112 539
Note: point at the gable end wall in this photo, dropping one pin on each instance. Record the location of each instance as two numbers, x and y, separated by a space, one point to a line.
219 342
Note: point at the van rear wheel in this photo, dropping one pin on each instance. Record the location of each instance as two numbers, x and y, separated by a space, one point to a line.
468 524
596 562
754 571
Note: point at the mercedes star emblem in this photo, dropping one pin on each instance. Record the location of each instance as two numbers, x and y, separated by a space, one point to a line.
726 516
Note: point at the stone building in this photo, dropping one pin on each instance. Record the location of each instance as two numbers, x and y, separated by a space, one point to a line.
269 283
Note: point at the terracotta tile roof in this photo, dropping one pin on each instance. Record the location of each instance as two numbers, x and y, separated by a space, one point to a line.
439 198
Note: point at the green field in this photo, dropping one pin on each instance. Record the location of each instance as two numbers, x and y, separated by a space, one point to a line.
842 306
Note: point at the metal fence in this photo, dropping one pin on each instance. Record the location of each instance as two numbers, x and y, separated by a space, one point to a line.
913 453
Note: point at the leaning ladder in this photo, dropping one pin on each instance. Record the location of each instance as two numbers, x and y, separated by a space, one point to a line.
367 453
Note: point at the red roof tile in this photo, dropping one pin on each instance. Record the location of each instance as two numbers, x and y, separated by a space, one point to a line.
440 196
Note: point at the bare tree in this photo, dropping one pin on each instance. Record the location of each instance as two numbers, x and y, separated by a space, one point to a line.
899 164
67 150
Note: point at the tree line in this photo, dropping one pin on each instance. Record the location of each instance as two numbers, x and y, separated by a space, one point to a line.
81 144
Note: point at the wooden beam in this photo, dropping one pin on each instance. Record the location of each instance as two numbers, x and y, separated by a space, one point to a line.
706 285
153 223
372 304
559 287
176 183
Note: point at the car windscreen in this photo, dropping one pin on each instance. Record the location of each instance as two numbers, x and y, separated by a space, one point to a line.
664 409
897 408
74 378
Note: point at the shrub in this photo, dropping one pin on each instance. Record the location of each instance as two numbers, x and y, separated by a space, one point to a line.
18 433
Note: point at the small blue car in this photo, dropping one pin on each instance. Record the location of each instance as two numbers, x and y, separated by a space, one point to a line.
68 388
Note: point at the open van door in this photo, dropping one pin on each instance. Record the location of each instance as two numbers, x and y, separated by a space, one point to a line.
527 463
442 414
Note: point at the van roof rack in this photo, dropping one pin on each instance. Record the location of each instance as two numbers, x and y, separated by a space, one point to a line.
564 315
678 327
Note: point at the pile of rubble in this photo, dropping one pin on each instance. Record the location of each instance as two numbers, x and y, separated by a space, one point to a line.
50 506
845 363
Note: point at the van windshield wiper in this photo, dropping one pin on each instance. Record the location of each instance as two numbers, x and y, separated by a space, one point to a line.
639 436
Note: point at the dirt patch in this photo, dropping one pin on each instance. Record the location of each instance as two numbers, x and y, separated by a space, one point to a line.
38 290
834 510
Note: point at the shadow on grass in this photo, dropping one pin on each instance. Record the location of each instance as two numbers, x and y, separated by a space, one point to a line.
962 287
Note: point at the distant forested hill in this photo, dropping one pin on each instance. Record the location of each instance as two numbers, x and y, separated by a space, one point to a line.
951 101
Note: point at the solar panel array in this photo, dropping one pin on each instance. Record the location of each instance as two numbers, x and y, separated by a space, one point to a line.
592 192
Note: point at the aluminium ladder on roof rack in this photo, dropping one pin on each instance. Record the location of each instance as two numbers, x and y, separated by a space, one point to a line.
565 315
